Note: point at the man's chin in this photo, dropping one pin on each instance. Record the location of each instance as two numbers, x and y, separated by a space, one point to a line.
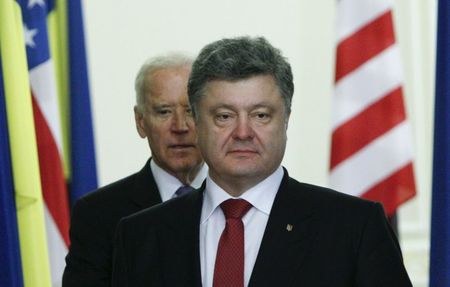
184 165
181 149
183 156
244 170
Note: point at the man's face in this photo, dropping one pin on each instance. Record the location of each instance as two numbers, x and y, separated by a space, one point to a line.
167 122
242 129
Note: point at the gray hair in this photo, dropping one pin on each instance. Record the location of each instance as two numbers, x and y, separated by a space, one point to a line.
237 59
170 60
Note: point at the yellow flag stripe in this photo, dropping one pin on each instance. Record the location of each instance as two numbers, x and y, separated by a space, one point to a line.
58 33
25 167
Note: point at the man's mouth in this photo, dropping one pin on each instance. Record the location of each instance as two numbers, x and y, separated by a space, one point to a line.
181 146
242 151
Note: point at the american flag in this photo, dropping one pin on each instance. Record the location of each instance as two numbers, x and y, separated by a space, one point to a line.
371 153
48 130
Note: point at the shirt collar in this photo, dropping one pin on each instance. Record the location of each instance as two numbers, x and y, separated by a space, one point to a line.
168 184
261 196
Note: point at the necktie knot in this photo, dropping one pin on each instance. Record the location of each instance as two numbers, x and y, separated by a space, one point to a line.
183 190
235 208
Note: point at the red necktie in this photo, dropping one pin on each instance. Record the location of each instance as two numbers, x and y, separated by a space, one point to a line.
229 268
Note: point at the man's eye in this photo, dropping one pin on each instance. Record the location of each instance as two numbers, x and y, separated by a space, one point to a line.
223 117
163 112
262 116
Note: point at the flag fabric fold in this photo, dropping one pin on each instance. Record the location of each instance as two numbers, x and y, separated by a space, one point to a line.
440 216
371 149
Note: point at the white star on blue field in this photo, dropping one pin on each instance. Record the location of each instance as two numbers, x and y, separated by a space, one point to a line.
34 14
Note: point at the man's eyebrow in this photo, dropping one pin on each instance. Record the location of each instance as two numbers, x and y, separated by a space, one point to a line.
231 107
263 105
221 106
163 105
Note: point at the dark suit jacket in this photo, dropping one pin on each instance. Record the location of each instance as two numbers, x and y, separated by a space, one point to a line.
94 220
336 240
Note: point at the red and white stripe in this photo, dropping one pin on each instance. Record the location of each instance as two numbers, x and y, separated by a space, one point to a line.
49 140
371 150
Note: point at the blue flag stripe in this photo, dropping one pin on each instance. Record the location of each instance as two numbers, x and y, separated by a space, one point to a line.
440 222
10 270
84 174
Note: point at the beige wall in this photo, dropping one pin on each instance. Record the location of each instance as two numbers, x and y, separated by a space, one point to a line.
122 34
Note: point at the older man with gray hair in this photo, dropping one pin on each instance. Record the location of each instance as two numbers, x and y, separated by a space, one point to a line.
163 116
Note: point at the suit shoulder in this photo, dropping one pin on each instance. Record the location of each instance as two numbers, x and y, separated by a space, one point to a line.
175 209
114 191
335 210
331 199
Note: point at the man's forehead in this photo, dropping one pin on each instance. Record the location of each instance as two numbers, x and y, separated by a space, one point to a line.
168 70
160 76
161 102
249 89
246 105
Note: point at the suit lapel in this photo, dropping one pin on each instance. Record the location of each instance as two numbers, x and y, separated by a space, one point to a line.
145 192
288 235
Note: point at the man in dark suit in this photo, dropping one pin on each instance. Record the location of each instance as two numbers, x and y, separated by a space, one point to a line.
250 224
163 116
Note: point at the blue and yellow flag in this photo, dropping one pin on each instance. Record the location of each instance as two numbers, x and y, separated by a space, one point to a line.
23 149
11 271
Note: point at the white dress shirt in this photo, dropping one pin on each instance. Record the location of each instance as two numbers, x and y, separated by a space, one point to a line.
168 184
212 223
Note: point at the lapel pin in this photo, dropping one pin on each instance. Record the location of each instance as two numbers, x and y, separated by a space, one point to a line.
289 227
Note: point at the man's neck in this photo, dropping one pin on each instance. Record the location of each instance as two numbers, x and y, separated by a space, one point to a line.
236 186
187 177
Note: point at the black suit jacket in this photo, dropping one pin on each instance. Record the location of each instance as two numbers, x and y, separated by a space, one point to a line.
336 240
94 220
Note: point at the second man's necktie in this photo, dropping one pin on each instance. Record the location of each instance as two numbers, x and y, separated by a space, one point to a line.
183 190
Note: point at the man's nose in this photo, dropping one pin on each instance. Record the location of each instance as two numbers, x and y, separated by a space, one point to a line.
179 123
243 129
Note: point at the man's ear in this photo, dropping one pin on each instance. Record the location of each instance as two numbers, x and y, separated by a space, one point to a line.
287 120
139 119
